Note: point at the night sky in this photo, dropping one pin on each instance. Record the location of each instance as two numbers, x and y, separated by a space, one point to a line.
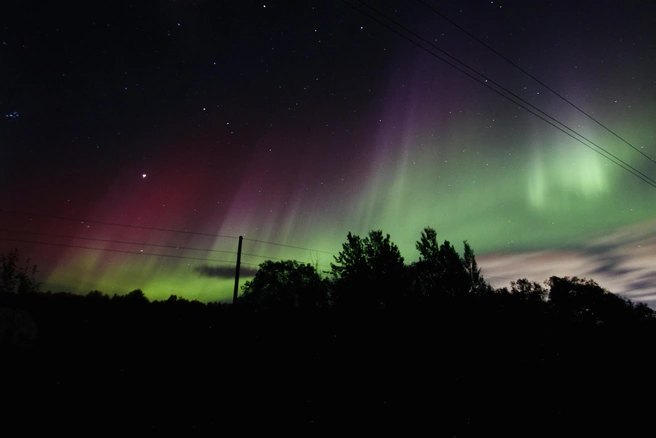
172 127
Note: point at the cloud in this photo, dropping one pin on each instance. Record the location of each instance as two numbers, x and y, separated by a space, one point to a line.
621 262
225 272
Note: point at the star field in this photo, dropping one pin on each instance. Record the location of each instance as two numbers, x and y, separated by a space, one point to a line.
293 123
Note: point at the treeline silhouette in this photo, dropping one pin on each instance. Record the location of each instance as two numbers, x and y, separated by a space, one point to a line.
372 346
370 274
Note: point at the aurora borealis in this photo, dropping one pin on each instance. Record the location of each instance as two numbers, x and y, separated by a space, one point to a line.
294 123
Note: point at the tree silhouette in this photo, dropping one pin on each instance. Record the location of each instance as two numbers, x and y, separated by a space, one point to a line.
136 298
285 284
369 272
477 283
643 312
585 301
441 272
428 247
15 278
97 296
528 291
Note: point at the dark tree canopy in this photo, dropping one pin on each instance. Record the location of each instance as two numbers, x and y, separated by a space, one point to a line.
285 284
15 278
528 290
369 272
440 271
476 282
584 300
428 247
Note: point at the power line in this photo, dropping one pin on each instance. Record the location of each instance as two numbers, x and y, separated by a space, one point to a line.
262 257
114 224
289 246
122 242
281 259
533 77
486 82
115 250
139 244
155 229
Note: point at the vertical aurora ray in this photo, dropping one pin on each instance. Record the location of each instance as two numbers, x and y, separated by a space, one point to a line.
166 199
435 160
305 134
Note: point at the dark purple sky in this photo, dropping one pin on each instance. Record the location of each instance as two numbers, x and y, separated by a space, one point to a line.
295 122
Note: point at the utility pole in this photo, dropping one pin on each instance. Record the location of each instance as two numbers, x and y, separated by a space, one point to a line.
234 296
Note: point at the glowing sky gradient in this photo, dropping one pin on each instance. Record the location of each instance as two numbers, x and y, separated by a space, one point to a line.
296 123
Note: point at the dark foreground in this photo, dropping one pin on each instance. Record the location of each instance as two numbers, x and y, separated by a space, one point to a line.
454 371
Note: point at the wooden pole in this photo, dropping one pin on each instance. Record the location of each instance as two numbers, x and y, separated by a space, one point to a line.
234 297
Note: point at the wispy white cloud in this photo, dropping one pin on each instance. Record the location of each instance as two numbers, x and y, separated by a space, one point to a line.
623 262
